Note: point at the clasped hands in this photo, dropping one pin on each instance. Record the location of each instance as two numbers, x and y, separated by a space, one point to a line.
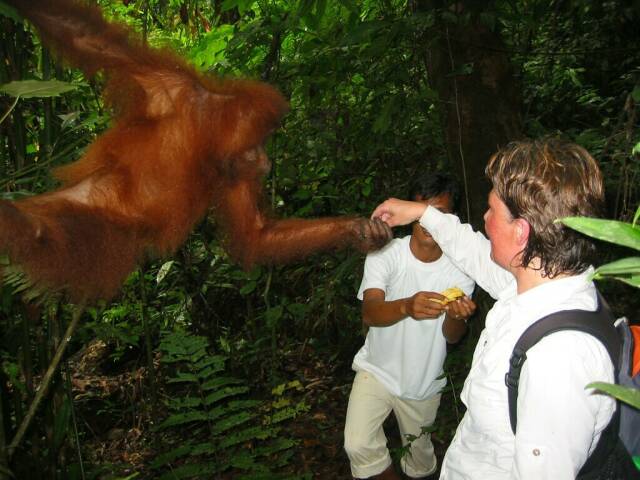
426 305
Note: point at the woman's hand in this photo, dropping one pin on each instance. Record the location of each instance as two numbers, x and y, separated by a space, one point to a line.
396 212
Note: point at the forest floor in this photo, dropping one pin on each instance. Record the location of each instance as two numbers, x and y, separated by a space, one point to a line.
320 452
104 399
320 432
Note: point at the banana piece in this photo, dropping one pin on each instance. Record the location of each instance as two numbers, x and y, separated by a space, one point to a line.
451 294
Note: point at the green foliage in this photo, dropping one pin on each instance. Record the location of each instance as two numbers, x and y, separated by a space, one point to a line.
36 88
626 394
241 5
626 270
226 429
15 278
620 233
119 326
405 449
580 77
11 370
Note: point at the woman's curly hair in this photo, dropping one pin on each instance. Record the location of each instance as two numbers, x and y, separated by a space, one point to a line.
541 181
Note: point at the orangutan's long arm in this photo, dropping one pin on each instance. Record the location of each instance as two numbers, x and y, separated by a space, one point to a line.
252 238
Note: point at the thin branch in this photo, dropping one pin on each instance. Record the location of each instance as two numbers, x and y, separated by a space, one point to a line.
46 381
15 102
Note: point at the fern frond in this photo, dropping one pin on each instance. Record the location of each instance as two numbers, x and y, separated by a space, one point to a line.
199 470
231 422
224 393
172 455
251 433
220 382
182 418
233 429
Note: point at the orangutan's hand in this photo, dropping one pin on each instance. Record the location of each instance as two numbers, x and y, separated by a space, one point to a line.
371 234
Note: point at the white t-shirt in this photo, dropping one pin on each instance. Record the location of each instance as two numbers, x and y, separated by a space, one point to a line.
407 357
559 421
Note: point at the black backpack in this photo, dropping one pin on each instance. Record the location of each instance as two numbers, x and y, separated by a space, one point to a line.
611 459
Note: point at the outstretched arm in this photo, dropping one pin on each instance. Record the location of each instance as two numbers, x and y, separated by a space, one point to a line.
251 237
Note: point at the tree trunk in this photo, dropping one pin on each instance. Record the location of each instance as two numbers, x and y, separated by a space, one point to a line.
468 66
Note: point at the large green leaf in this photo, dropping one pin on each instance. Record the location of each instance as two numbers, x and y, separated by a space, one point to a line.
629 265
626 394
633 280
626 270
36 88
620 233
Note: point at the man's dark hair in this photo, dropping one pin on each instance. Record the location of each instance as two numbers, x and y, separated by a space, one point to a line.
433 184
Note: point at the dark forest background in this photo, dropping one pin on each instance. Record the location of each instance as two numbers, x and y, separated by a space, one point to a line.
202 370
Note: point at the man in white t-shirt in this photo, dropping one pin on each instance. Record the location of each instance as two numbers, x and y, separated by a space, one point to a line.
533 266
400 366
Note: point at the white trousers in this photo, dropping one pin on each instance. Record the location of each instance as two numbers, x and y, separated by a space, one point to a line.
364 440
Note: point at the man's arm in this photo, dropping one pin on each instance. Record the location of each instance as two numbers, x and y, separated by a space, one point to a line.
378 312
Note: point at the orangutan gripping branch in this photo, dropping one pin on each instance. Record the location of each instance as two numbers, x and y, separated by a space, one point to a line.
180 143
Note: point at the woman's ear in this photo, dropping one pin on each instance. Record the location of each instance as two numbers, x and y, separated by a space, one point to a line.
523 229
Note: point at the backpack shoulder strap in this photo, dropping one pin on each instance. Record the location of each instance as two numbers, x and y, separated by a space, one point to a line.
598 324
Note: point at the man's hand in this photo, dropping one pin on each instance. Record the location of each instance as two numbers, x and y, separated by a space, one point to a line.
461 308
422 306
371 234
455 323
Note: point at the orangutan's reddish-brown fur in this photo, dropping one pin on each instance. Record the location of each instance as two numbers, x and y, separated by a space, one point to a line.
180 143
